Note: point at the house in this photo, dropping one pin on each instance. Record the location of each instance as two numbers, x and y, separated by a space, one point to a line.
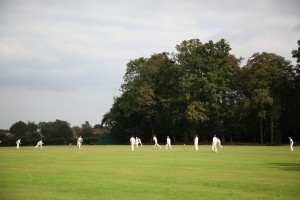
98 131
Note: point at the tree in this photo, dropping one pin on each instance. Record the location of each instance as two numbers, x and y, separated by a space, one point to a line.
296 54
291 104
56 129
202 88
177 93
2 134
32 127
18 129
263 77
98 126
150 88
31 132
86 130
208 81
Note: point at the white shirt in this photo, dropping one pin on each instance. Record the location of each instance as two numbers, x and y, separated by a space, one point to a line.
215 141
168 140
196 140
155 139
132 140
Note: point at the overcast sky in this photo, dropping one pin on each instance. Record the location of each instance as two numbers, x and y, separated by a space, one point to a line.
66 59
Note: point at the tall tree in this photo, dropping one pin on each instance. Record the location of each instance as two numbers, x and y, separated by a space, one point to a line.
296 54
208 81
56 129
292 100
86 129
263 77
18 129
202 88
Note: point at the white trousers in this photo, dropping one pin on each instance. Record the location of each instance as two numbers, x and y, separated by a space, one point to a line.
168 145
214 148
196 146
156 144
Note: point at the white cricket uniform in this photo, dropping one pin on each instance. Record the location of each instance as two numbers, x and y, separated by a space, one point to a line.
79 142
196 143
168 143
219 142
138 141
132 142
40 143
155 142
18 143
291 144
214 144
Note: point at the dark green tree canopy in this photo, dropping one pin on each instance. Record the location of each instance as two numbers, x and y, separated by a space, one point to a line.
18 129
202 89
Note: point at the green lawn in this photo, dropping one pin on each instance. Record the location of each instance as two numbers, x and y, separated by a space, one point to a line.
114 172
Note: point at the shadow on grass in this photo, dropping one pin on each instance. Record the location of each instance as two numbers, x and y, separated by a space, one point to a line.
286 166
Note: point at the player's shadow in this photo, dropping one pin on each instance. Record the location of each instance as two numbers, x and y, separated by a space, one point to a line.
287 166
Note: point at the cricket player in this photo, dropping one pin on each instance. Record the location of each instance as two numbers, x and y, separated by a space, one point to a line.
79 142
18 143
138 141
155 142
214 144
196 142
40 143
132 142
291 144
168 143
219 142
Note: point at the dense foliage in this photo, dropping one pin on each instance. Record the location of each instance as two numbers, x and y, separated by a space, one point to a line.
57 132
203 89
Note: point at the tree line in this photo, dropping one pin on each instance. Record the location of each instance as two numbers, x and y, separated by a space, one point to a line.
203 89
57 132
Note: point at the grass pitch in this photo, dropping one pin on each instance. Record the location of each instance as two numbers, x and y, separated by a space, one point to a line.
114 172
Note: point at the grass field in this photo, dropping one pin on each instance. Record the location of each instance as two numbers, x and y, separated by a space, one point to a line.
114 172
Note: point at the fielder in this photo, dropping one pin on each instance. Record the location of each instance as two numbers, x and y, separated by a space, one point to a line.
196 142
18 143
219 142
138 141
155 142
214 144
132 142
168 143
40 143
79 142
291 144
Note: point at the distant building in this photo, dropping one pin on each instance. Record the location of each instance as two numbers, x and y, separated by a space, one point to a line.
9 135
104 136
98 131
